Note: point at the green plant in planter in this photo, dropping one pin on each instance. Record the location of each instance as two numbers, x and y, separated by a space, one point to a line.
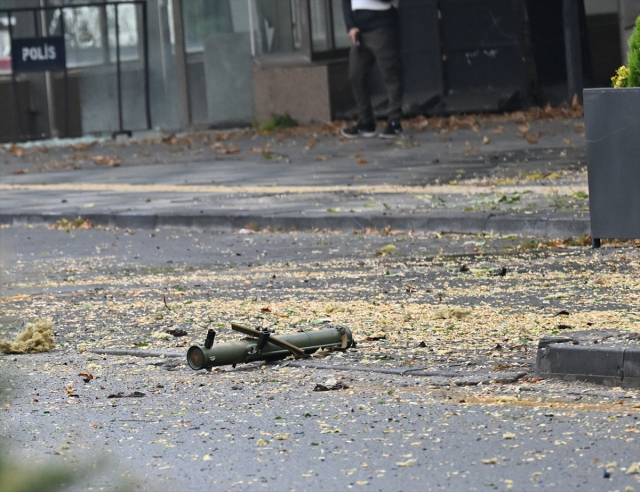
629 76
621 79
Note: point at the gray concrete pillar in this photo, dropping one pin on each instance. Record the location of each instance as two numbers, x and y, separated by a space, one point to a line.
182 84
573 48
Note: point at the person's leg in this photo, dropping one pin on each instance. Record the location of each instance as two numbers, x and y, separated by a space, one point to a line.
360 64
385 45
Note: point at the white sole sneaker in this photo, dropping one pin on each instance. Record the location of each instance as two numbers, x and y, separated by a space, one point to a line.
358 135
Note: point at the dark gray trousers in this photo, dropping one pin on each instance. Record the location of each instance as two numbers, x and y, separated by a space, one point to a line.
382 47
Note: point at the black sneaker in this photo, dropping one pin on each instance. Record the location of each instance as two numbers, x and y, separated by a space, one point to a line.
360 130
393 129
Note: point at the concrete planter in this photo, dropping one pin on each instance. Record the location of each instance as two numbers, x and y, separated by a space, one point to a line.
612 126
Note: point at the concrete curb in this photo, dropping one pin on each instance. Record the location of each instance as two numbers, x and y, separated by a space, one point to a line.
541 226
609 366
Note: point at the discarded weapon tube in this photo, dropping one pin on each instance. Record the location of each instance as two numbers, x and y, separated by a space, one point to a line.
265 346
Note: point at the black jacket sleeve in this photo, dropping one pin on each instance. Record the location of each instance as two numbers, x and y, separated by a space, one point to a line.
348 15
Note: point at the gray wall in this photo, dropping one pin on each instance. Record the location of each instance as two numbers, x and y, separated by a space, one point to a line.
228 74
629 10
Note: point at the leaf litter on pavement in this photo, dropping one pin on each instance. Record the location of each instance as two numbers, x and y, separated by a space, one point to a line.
449 313
449 316
446 308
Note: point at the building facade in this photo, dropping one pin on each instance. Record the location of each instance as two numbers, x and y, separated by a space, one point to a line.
180 64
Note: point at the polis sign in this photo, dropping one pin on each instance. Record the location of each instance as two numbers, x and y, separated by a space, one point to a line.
38 54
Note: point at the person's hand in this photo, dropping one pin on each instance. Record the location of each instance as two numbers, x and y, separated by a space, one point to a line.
353 33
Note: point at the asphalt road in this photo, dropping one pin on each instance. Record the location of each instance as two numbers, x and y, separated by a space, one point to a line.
154 424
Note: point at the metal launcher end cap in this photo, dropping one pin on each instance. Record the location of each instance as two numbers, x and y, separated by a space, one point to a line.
196 358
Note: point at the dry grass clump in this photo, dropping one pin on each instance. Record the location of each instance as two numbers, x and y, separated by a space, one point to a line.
37 337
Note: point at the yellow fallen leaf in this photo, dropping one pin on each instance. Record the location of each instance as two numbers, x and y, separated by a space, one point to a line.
561 295
207 457
262 442
491 461
282 437
162 335
508 435
505 399
410 462
448 312
634 469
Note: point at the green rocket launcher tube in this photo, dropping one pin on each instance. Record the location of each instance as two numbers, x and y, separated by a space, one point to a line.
265 346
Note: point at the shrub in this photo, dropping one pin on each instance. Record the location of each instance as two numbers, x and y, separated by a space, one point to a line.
621 78
629 76
634 57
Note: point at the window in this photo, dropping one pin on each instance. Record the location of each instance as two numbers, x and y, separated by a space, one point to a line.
304 29
5 43
205 17
87 28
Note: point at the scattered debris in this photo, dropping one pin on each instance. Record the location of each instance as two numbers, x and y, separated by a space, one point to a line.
68 224
448 312
562 313
375 338
330 385
177 332
409 462
219 148
120 394
102 159
83 145
634 469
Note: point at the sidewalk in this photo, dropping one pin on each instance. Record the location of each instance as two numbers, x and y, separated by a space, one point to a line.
513 174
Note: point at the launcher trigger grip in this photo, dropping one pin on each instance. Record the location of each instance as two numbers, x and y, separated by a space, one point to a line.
263 339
